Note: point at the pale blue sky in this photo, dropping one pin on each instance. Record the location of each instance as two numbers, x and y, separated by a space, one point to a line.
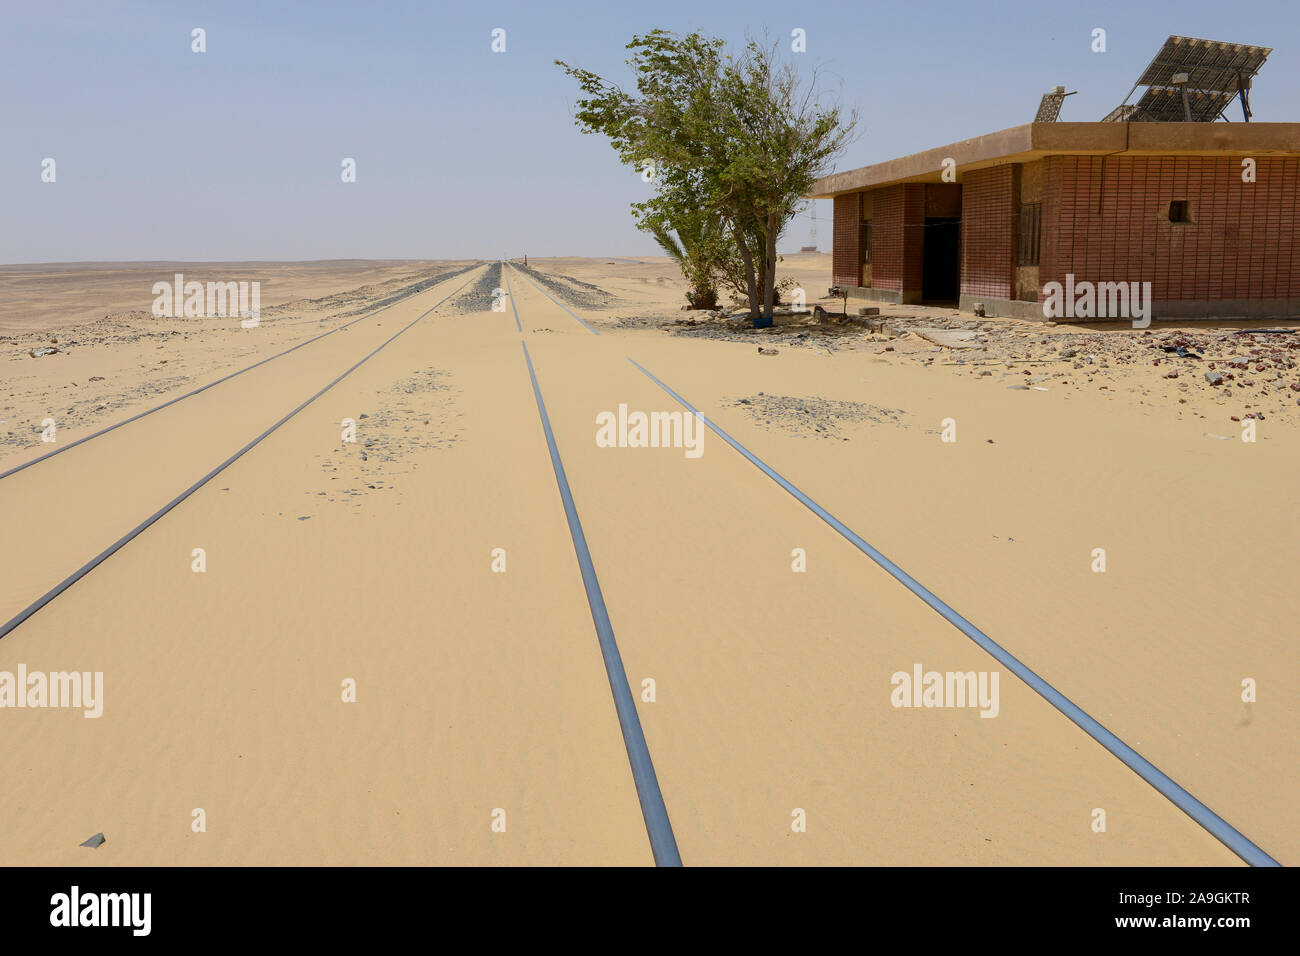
235 153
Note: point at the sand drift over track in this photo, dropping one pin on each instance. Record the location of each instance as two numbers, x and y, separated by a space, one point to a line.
405 292
478 297
367 313
572 290
124 436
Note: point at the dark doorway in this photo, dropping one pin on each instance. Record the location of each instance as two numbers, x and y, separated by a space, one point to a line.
940 280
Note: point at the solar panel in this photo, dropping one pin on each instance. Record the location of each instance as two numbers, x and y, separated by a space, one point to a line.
1164 104
1209 64
1211 73
1049 107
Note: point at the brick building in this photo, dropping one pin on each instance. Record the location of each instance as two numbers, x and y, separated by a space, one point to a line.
1208 213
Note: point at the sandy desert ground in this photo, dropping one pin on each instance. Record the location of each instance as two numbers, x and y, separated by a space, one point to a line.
47 296
481 690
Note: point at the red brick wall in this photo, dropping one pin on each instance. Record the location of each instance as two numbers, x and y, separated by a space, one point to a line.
988 233
887 239
913 237
846 257
1243 243
898 237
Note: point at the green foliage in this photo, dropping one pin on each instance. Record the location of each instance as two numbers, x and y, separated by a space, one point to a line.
735 142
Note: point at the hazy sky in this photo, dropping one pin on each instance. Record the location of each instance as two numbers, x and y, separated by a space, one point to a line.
235 153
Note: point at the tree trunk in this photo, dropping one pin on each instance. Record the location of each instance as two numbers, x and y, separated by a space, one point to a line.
747 257
769 267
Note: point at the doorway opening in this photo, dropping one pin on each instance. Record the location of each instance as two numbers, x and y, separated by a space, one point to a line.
941 275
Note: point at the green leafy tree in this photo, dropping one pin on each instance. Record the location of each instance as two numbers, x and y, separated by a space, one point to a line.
690 249
737 137
689 231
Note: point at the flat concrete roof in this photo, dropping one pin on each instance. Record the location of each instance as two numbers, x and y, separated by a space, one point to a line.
1021 144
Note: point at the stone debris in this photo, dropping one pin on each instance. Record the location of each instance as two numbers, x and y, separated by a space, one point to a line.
478 297
417 414
811 417
575 291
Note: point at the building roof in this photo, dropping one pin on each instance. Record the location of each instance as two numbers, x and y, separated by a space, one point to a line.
1021 144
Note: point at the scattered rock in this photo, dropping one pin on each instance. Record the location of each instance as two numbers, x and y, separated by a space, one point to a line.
96 841
810 416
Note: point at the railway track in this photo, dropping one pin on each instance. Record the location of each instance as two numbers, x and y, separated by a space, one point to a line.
1180 797
225 378
17 620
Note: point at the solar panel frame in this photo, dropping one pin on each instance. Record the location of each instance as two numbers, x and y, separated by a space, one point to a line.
1164 104
1049 108
1217 72
1209 64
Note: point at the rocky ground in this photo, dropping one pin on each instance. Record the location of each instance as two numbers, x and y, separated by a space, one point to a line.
1225 372
1246 371
809 416
80 398
416 414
